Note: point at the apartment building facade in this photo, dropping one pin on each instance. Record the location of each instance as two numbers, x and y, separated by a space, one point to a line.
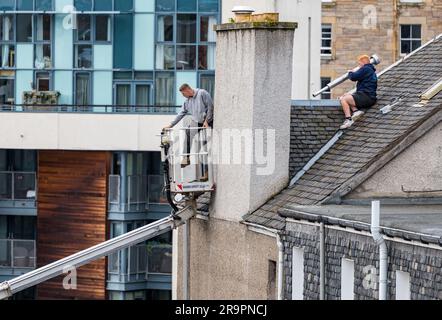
85 87
388 28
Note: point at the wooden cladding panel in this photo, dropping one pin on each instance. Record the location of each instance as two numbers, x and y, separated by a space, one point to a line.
72 208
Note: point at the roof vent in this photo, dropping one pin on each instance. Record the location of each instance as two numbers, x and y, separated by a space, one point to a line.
432 91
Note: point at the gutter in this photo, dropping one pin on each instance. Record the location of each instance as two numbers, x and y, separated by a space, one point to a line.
383 254
280 266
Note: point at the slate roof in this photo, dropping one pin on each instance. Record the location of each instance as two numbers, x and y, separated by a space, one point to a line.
369 138
311 127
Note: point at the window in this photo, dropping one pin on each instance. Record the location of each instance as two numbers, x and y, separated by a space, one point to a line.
6 28
83 56
24 28
185 57
7 56
164 88
165 29
165 5
297 273
82 89
7 5
42 51
324 82
102 28
207 82
207 33
6 90
25 5
43 5
410 37
186 28
326 39
271 280
208 5
347 279
403 285
83 5
186 5
123 5
43 81
103 5
206 57
83 27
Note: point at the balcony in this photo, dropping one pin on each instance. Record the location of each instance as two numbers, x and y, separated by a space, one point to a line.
17 256
18 189
141 192
140 263
60 108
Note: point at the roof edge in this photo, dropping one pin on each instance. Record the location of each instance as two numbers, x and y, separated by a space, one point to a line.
360 226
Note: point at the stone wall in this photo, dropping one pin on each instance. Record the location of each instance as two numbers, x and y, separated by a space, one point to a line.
372 27
423 264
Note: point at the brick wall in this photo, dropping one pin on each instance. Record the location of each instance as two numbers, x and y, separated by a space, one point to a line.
423 264
354 33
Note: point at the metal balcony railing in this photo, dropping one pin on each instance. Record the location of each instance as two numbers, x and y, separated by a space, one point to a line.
142 190
128 109
18 185
137 262
17 254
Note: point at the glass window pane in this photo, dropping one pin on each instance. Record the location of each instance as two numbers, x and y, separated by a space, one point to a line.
165 57
122 75
7 4
165 5
83 27
43 81
43 27
43 56
102 28
165 28
142 95
207 82
415 44
206 28
185 57
206 56
186 28
123 95
7 56
82 88
83 56
405 31
83 5
25 5
24 28
208 5
143 75
123 41
7 91
103 5
164 88
186 5
405 46
416 31
7 27
124 5
44 5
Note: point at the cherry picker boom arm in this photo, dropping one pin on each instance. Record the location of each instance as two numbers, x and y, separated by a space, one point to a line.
98 251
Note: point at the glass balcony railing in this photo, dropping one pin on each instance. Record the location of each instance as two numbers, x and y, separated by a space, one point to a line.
89 108
18 186
137 262
141 190
17 254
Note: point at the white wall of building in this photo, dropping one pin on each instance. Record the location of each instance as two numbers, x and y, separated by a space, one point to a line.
294 11
70 131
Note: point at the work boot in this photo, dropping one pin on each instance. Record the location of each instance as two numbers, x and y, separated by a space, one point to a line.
185 162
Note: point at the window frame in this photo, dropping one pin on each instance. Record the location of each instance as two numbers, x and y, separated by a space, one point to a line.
326 54
410 39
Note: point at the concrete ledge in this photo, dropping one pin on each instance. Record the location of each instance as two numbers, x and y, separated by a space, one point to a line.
256 25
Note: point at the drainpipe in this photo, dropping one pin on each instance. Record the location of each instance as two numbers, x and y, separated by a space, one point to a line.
321 262
280 265
186 261
123 181
379 239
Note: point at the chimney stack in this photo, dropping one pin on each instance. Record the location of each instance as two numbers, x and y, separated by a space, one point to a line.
253 96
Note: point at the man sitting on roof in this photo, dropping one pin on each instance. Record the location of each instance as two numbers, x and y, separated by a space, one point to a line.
365 96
